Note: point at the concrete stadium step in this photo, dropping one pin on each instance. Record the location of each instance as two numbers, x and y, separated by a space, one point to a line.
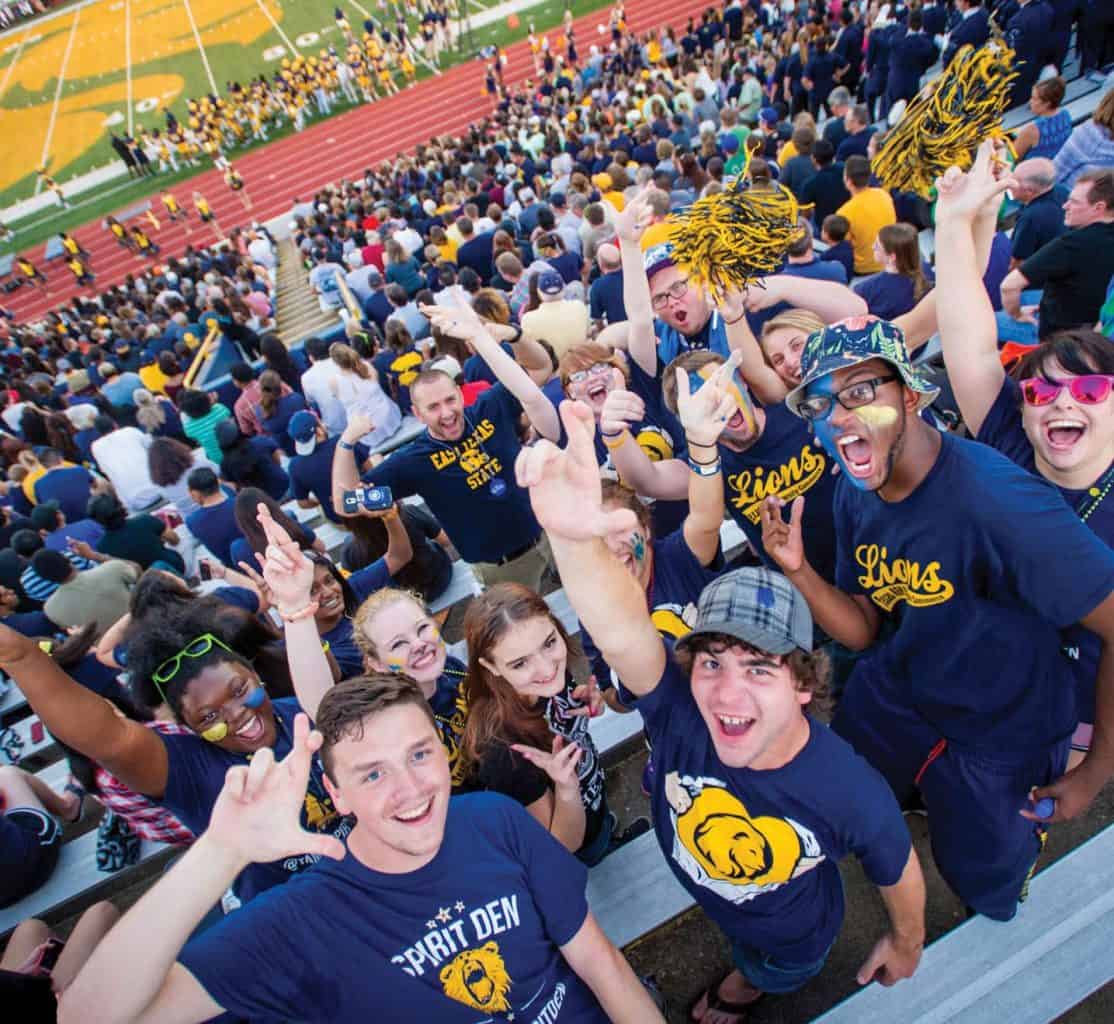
297 311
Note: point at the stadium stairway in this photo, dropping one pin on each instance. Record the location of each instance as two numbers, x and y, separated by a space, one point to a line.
297 311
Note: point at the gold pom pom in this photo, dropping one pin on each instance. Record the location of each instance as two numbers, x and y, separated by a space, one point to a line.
945 123
727 240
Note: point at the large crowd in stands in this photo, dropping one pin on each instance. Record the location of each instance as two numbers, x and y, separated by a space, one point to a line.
583 416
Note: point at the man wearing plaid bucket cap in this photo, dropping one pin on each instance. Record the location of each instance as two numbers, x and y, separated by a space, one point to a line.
968 698
755 803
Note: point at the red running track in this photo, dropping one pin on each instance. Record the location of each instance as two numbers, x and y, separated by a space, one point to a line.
337 148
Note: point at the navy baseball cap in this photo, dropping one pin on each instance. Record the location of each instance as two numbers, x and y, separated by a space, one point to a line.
303 432
759 607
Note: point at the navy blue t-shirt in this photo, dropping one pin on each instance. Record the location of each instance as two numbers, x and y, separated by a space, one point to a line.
605 299
276 424
274 479
195 777
1002 430
216 528
784 462
976 605
311 476
475 366
469 485
675 590
472 937
67 485
88 530
888 296
759 850
240 550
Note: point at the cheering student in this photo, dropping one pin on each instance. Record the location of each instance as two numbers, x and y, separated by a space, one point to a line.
463 464
207 687
1053 414
945 718
395 631
205 213
754 802
458 911
174 211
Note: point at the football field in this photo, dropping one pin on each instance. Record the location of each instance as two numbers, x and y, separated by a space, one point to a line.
71 78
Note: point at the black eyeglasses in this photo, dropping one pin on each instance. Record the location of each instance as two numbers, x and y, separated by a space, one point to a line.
862 392
675 291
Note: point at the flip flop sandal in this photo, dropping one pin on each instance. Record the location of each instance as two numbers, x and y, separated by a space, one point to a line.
720 1005
82 795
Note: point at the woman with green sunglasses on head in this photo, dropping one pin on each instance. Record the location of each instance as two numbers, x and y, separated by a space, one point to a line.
183 666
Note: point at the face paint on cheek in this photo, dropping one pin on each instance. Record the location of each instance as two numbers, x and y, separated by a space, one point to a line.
822 430
877 417
741 393
256 698
638 546
216 733
395 666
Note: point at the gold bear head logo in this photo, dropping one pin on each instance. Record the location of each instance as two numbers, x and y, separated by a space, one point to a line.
478 978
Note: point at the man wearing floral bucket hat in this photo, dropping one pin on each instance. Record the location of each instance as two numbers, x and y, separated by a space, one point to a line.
968 697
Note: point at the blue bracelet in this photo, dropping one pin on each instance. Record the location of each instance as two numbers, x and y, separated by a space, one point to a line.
704 468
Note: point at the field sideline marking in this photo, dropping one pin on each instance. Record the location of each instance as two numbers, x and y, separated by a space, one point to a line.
278 28
15 60
200 47
58 96
128 62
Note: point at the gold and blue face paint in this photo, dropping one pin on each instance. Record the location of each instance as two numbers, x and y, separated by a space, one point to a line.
736 387
219 730
822 427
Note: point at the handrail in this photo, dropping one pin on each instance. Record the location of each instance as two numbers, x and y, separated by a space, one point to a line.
202 355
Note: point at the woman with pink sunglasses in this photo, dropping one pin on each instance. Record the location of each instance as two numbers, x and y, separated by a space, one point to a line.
1051 414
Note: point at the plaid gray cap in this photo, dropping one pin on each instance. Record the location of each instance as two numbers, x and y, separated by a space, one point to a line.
759 607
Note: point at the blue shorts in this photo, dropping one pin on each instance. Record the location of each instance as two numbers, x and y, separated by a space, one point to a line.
772 974
984 848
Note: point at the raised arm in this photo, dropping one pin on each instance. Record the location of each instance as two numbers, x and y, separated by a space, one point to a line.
289 576
346 474
829 300
133 974
464 322
761 378
850 619
968 331
566 496
399 550
665 481
704 415
82 719
642 342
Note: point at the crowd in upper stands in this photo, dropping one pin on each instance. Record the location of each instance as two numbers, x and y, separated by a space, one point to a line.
527 387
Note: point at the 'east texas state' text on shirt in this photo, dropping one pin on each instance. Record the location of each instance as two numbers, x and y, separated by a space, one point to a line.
977 570
1002 429
784 462
195 777
759 850
469 484
470 938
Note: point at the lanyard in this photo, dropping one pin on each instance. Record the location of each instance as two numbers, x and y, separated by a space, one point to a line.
1095 495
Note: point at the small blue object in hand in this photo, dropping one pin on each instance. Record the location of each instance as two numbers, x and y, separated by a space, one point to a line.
1043 808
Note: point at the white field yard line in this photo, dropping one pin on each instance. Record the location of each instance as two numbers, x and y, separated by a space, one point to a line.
200 47
277 27
128 62
10 69
58 95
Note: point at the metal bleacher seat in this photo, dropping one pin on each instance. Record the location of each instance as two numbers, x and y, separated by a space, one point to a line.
1054 954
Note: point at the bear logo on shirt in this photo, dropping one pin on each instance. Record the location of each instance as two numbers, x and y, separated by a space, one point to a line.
478 978
722 847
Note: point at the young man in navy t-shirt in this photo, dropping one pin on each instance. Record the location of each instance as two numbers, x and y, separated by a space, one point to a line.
967 698
754 803
463 464
444 912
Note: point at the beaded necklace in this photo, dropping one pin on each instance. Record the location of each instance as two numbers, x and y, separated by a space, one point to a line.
1095 495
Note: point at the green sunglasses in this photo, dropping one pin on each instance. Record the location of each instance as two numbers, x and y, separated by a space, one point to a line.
196 648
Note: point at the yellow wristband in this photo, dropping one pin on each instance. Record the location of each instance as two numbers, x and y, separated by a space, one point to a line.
611 444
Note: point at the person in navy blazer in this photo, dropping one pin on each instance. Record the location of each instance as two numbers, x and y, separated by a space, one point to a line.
935 17
973 27
1029 33
912 53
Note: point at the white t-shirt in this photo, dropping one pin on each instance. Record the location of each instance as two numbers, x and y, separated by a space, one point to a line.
315 386
122 457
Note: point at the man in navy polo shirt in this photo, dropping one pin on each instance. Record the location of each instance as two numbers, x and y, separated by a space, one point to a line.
213 523
1042 208
311 469
463 465
57 531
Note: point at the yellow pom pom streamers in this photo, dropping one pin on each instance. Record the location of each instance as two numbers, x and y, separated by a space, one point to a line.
944 124
725 241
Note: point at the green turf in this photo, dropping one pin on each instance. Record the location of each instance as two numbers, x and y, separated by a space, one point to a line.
231 61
